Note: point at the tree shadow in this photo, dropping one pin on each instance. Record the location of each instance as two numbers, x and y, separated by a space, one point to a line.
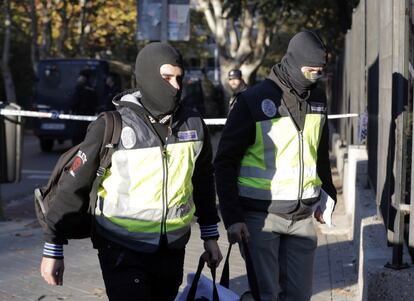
372 137
399 101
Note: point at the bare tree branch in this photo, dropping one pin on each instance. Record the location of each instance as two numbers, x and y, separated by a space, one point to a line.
245 48
220 23
262 35
205 7
233 38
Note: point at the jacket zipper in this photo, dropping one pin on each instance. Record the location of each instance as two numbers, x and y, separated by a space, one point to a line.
300 138
164 155
300 190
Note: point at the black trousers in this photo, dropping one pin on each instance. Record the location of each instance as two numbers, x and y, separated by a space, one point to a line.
136 276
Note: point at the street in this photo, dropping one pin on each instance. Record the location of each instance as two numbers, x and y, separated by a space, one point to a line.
36 169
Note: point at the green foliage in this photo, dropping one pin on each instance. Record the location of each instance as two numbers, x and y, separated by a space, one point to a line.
109 29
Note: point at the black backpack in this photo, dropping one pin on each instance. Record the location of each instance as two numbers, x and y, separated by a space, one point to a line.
45 196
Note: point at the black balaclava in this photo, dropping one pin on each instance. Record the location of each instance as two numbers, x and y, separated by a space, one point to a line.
158 96
305 49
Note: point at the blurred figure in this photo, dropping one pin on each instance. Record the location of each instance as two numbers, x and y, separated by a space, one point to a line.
211 95
192 95
237 85
110 91
84 102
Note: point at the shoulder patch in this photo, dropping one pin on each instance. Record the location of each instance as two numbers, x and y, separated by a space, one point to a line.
187 135
268 107
128 137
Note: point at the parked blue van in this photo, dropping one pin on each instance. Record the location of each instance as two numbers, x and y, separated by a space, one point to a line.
55 88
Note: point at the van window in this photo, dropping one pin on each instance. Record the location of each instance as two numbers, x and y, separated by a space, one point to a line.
57 80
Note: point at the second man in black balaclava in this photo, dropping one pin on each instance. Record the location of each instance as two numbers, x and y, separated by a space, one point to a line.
272 166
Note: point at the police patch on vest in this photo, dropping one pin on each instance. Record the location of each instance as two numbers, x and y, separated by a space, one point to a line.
128 137
187 135
268 107
318 107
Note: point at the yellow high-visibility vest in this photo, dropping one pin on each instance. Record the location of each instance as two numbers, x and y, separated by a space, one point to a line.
147 190
281 165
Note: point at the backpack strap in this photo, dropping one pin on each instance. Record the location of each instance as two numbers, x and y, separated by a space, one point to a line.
113 128
112 134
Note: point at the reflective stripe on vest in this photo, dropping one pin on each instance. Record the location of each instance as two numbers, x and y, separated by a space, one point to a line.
131 201
274 168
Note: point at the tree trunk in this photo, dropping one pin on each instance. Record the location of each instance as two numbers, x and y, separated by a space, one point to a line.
34 49
246 51
5 69
63 30
46 46
81 25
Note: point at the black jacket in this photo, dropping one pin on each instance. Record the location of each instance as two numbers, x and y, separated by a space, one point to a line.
238 134
74 189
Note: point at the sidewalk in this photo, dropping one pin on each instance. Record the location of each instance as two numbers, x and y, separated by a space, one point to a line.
21 247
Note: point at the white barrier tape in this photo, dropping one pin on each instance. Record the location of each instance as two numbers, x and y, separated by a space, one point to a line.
337 116
215 121
55 115
51 115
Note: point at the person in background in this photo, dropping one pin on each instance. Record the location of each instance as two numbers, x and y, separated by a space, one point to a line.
110 91
161 175
272 167
84 102
237 85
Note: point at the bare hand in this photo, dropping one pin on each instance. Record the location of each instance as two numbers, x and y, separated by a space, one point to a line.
237 232
319 215
212 255
51 270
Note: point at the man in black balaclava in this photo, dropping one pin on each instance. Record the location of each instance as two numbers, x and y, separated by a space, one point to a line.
273 173
159 96
144 209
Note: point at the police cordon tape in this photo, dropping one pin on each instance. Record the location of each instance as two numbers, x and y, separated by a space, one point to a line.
56 115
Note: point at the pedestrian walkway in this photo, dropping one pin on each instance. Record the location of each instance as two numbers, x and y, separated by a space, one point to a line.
21 247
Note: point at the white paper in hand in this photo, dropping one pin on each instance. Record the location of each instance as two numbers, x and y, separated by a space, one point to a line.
327 204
